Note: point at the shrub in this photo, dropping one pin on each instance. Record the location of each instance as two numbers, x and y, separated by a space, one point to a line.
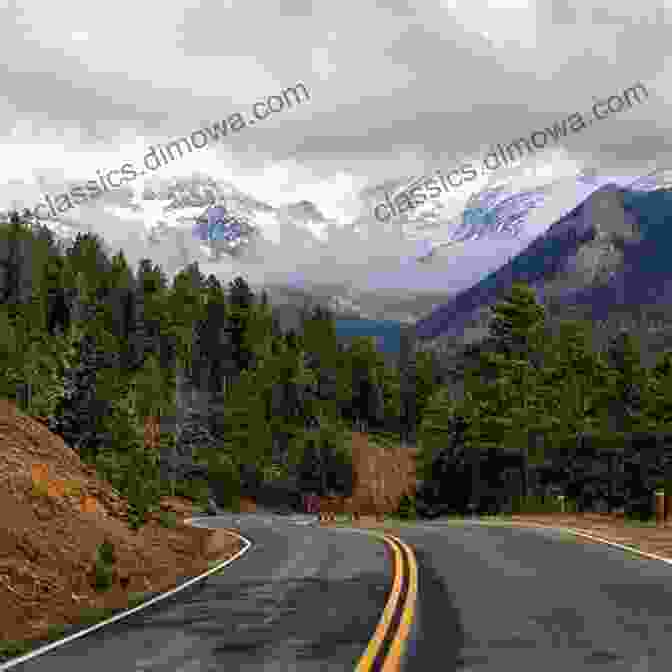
106 553
407 510
142 486
223 478
40 489
168 519
103 568
535 504
195 489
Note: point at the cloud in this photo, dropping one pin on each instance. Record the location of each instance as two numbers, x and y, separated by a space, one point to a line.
398 90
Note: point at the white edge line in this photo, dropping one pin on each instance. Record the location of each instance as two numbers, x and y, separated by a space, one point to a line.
578 533
613 543
48 647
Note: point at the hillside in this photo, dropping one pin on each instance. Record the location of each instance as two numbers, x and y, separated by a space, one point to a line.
604 258
48 538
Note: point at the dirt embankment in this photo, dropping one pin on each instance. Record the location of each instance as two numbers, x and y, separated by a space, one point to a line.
55 514
382 476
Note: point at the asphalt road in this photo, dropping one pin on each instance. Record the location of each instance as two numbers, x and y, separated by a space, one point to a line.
303 598
494 599
491 599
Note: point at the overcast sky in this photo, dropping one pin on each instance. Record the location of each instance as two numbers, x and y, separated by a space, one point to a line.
398 89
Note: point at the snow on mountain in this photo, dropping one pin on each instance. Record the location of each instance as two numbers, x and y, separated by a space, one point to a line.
605 250
458 240
502 210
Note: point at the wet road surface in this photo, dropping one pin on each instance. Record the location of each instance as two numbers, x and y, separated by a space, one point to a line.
494 599
491 599
302 598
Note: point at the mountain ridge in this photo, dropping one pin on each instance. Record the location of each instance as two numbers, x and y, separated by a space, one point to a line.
597 258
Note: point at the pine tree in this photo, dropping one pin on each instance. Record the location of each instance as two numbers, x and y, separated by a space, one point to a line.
195 435
516 332
516 322
425 381
435 432
80 414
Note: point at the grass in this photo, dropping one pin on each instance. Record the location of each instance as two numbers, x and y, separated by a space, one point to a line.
217 561
640 523
384 439
213 563
73 489
40 489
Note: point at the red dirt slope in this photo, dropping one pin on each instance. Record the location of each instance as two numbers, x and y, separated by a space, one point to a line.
49 538
382 476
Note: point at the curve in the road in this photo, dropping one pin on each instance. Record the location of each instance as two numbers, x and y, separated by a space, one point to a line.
498 596
385 651
372 659
124 614
400 642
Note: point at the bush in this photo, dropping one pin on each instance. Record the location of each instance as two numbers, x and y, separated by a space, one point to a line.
407 510
223 479
103 568
168 519
103 576
535 504
106 553
640 508
141 485
228 502
195 489
40 489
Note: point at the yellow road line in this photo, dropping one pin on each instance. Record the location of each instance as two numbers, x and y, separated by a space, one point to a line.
394 657
369 655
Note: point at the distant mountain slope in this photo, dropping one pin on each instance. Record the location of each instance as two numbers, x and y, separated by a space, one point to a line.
610 252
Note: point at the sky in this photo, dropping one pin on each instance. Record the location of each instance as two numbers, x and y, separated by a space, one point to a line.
397 90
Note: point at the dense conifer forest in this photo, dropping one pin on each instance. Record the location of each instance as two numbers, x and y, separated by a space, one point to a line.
102 352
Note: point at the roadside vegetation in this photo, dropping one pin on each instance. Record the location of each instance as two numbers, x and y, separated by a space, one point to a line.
107 356
538 420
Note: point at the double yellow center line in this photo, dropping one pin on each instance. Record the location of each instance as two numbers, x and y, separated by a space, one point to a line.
386 648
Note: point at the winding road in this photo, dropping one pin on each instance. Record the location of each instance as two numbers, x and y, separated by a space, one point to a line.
499 598
308 597
302 598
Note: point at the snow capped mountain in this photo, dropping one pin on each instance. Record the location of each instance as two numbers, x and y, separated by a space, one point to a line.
501 210
294 244
607 252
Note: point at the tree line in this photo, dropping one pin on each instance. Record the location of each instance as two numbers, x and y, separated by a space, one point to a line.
100 351
537 410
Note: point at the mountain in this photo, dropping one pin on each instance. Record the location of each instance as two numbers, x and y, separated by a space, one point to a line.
502 209
281 244
607 255
400 270
490 213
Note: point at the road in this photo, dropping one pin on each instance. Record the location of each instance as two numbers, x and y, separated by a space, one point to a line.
494 599
303 598
491 599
